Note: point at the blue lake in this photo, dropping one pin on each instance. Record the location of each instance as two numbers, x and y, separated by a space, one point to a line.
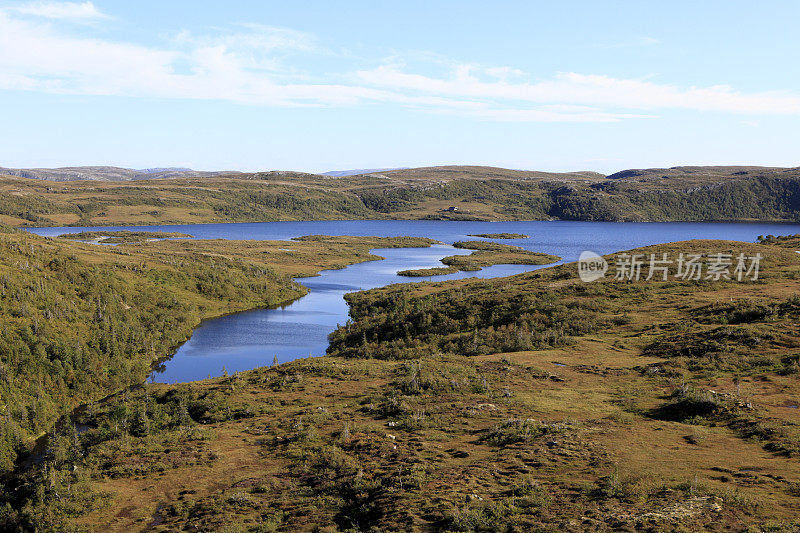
251 339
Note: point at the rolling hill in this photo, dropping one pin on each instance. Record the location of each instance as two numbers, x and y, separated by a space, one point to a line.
435 193
105 173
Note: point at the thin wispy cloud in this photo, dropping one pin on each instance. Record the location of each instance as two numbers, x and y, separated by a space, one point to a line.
254 46
69 11
249 37
585 90
247 64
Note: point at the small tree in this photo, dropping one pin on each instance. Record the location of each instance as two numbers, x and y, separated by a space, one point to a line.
140 425
182 417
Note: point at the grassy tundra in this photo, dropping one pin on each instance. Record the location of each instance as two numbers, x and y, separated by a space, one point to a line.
80 321
442 193
534 402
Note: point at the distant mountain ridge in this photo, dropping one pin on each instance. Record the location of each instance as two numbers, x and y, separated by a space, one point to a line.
165 169
107 173
110 173
359 171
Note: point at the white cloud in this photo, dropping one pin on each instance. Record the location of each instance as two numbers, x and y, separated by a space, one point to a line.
73 11
256 45
586 90
247 64
33 56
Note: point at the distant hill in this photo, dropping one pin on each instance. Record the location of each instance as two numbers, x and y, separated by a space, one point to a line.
686 193
358 172
483 173
108 173
691 172
102 173
164 169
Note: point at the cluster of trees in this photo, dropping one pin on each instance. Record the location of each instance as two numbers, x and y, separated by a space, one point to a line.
275 203
28 207
510 196
753 198
789 241
78 325
488 317
116 433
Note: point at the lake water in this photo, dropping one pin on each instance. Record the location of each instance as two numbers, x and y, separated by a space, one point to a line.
253 338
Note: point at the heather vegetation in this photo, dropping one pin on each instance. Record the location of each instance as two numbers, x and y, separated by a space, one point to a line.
78 324
530 403
787 241
485 319
447 193
81 321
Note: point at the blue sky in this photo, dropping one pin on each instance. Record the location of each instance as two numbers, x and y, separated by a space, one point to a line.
316 86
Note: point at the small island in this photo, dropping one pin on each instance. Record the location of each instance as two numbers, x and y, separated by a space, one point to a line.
484 254
500 235
428 272
377 242
123 236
